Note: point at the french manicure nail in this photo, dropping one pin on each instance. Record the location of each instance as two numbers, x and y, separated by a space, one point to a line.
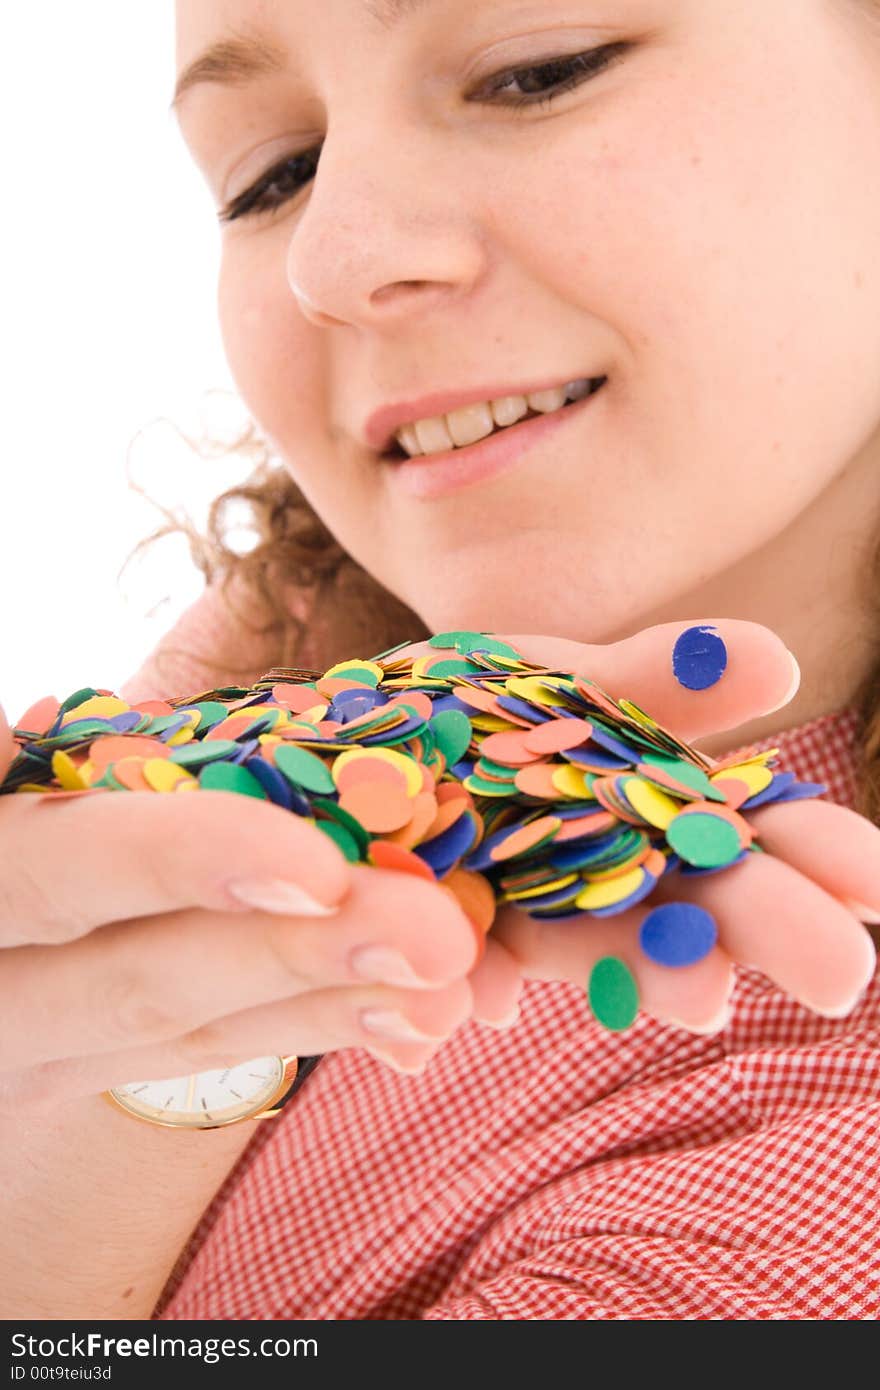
506 1022
388 1023
407 1068
276 895
714 1025
793 688
387 966
864 914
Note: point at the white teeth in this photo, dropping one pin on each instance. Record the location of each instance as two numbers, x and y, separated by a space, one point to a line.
545 401
432 434
470 423
408 439
576 390
508 409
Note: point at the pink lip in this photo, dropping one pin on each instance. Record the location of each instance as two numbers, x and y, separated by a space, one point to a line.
434 475
381 426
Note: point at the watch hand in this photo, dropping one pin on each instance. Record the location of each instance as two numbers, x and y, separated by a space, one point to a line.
190 1093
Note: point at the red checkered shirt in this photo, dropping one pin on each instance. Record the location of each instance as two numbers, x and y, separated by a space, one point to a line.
556 1170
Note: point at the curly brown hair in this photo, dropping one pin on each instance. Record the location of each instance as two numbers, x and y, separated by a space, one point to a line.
296 550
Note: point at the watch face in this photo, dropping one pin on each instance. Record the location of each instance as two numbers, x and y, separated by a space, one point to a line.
205 1099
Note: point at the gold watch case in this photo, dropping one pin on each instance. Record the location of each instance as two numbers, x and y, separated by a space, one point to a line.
196 1101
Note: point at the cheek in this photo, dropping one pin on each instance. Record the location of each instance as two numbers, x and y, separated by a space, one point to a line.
283 372
258 324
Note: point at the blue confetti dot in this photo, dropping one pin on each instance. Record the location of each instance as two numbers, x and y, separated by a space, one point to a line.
678 934
699 658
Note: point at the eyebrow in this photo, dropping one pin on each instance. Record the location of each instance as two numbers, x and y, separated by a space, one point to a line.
242 58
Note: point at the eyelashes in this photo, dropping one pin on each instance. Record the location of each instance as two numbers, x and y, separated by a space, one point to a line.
284 180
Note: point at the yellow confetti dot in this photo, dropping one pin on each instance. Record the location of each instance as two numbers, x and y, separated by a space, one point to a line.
638 715
164 776
533 688
653 805
184 735
98 707
755 776
342 668
66 771
553 887
610 890
571 781
405 765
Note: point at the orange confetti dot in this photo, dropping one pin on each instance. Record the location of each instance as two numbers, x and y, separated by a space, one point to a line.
537 780
377 805
112 748
386 855
508 748
525 838
557 735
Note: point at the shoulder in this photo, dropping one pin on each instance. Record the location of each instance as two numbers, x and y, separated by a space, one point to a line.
227 636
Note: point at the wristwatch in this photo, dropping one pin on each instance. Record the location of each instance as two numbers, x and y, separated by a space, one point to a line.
252 1090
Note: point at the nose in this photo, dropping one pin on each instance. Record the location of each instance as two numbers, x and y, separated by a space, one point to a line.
377 240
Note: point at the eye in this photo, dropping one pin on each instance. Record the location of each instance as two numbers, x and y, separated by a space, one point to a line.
275 187
545 81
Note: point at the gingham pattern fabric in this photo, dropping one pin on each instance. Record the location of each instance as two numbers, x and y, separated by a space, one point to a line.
558 1171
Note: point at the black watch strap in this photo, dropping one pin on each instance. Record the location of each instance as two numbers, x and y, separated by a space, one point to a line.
304 1068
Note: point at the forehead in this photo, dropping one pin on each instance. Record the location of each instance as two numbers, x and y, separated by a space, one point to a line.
197 19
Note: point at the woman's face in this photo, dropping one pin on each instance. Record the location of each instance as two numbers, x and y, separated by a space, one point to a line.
699 222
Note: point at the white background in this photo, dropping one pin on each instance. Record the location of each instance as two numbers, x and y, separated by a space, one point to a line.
107 285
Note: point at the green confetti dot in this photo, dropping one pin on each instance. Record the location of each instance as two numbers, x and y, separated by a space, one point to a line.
613 994
211 712
359 674
465 642
340 836
335 812
453 641
686 773
483 788
706 841
230 777
303 769
455 666
453 733
87 728
78 697
196 754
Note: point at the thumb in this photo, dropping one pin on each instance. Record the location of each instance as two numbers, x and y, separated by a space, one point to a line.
8 748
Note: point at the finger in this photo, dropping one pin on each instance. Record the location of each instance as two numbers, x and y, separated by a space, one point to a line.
115 856
694 996
158 978
838 849
496 983
775 919
313 1023
760 677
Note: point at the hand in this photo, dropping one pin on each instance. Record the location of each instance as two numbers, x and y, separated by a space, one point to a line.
123 955
787 912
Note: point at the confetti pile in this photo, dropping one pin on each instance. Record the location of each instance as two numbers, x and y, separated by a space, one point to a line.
503 781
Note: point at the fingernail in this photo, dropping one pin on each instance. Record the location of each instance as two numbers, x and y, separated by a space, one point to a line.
407 1068
506 1022
388 1023
276 895
387 966
793 688
714 1025
864 914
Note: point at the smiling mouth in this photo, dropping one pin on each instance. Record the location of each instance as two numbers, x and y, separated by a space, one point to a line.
397 454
